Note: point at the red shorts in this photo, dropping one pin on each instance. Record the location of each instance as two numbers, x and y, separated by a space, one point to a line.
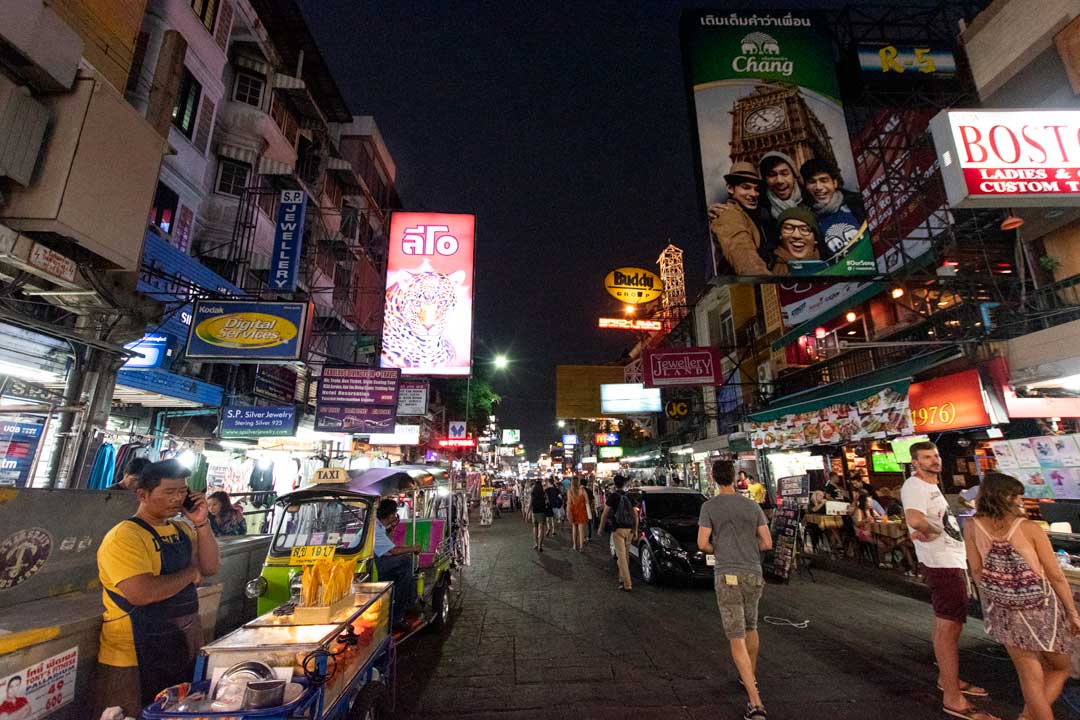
948 593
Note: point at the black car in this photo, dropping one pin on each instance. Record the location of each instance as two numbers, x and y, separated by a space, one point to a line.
666 547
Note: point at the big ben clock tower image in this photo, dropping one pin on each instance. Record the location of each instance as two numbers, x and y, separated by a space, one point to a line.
777 117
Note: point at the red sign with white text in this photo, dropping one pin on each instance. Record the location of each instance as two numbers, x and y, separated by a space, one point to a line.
685 366
1000 158
427 324
457 443
952 402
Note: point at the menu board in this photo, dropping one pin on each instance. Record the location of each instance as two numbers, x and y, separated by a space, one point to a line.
1048 466
785 535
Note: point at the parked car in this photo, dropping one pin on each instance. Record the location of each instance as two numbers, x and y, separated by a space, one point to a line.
666 547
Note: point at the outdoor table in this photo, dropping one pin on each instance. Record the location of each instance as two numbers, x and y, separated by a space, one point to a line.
894 530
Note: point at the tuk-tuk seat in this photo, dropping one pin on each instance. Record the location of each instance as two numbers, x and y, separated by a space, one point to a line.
429 534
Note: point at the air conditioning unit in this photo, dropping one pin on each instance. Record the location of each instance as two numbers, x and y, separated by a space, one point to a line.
23 121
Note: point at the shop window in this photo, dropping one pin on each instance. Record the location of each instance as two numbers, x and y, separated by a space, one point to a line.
249 88
232 177
206 11
187 104
163 212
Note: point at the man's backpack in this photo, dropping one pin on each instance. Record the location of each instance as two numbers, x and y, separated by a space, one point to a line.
624 512
1008 580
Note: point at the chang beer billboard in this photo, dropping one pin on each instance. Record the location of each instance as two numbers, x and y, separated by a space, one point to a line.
776 170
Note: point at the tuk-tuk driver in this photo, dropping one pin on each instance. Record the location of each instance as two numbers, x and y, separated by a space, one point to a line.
149 566
394 562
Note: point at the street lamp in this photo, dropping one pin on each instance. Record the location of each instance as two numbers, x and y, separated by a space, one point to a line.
561 423
501 361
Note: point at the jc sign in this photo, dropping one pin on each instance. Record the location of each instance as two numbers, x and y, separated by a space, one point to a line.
676 409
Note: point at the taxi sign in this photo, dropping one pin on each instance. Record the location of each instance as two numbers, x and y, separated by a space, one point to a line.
308 554
330 475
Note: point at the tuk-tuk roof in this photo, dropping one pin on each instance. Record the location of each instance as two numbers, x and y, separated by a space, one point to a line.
390 481
440 474
325 490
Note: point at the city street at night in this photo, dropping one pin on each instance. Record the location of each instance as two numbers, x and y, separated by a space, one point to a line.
548 635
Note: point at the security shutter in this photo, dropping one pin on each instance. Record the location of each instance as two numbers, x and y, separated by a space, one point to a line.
206 125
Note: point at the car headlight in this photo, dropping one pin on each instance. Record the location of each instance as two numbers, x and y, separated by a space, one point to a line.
666 539
255 588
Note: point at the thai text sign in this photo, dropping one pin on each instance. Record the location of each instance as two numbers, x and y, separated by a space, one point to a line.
952 402
427 325
42 688
288 239
242 331
686 366
254 422
412 397
633 285
356 400
1007 158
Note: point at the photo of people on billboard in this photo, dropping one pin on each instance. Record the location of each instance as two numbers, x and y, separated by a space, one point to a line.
776 164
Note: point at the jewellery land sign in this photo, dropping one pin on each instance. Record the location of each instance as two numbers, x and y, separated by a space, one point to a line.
633 285
427 323
356 400
288 240
257 421
241 331
1009 158
412 398
685 366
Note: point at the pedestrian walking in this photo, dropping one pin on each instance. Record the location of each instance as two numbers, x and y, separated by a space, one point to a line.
1027 602
940 547
539 506
623 528
577 503
733 529
554 502
590 509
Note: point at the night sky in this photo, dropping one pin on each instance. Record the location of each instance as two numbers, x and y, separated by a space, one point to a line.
564 128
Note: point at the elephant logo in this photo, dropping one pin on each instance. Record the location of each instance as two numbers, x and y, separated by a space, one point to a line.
759 43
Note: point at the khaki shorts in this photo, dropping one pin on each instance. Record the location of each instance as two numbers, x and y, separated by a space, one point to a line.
739 603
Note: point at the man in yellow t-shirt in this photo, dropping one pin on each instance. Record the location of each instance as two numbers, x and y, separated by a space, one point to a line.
756 489
149 566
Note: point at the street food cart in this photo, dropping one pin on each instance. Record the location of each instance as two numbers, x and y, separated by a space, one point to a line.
324 666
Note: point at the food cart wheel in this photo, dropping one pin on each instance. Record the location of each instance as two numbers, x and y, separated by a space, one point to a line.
370 703
440 604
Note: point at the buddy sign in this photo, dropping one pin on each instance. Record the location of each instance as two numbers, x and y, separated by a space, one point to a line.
247 332
1006 158
633 285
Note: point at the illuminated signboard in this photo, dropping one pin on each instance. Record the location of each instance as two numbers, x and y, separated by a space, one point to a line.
247 331
607 439
685 366
632 398
952 402
610 452
633 285
631 324
457 443
569 440
1008 158
427 325
511 436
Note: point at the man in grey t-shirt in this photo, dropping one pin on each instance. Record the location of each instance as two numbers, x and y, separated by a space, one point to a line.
734 530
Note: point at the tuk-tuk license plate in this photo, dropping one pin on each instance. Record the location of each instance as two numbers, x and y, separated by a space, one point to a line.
710 560
308 554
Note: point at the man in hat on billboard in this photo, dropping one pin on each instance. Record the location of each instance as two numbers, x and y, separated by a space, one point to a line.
737 238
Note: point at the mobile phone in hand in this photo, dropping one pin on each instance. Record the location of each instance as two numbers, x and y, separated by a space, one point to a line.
189 502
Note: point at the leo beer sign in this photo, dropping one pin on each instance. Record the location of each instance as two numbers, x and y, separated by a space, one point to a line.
684 366
1007 158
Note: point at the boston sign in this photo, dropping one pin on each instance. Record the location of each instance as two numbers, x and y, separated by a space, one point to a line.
685 366
1009 158
242 331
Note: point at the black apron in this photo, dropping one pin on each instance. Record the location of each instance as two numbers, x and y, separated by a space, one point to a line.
167 633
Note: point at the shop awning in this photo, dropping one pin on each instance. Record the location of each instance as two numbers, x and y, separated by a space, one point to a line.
864 294
897 376
160 388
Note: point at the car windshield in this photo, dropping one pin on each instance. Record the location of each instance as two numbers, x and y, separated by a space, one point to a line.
321 522
669 505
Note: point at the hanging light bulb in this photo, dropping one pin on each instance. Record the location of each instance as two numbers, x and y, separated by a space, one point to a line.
820 332
897 293
851 317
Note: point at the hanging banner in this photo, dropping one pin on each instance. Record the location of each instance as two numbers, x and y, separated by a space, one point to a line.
412 398
19 439
241 331
356 400
288 241
427 323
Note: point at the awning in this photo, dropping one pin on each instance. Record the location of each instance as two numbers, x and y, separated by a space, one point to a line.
898 377
249 63
159 388
268 166
871 290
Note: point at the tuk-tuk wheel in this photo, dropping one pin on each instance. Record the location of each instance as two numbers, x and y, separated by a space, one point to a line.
440 605
370 703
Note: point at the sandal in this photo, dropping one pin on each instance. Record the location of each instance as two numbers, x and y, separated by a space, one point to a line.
969 713
969 690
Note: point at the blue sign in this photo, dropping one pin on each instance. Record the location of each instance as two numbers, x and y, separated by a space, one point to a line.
245 331
569 440
153 350
288 238
256 422
172 385
18 445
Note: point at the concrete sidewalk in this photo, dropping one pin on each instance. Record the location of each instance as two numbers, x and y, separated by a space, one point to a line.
548 635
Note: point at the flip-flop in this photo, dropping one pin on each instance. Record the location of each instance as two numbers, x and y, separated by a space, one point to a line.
969 690
971 713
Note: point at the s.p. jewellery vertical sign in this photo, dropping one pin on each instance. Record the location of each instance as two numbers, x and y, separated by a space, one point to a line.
288 240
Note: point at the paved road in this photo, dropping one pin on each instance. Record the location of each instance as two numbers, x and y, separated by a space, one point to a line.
543 636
